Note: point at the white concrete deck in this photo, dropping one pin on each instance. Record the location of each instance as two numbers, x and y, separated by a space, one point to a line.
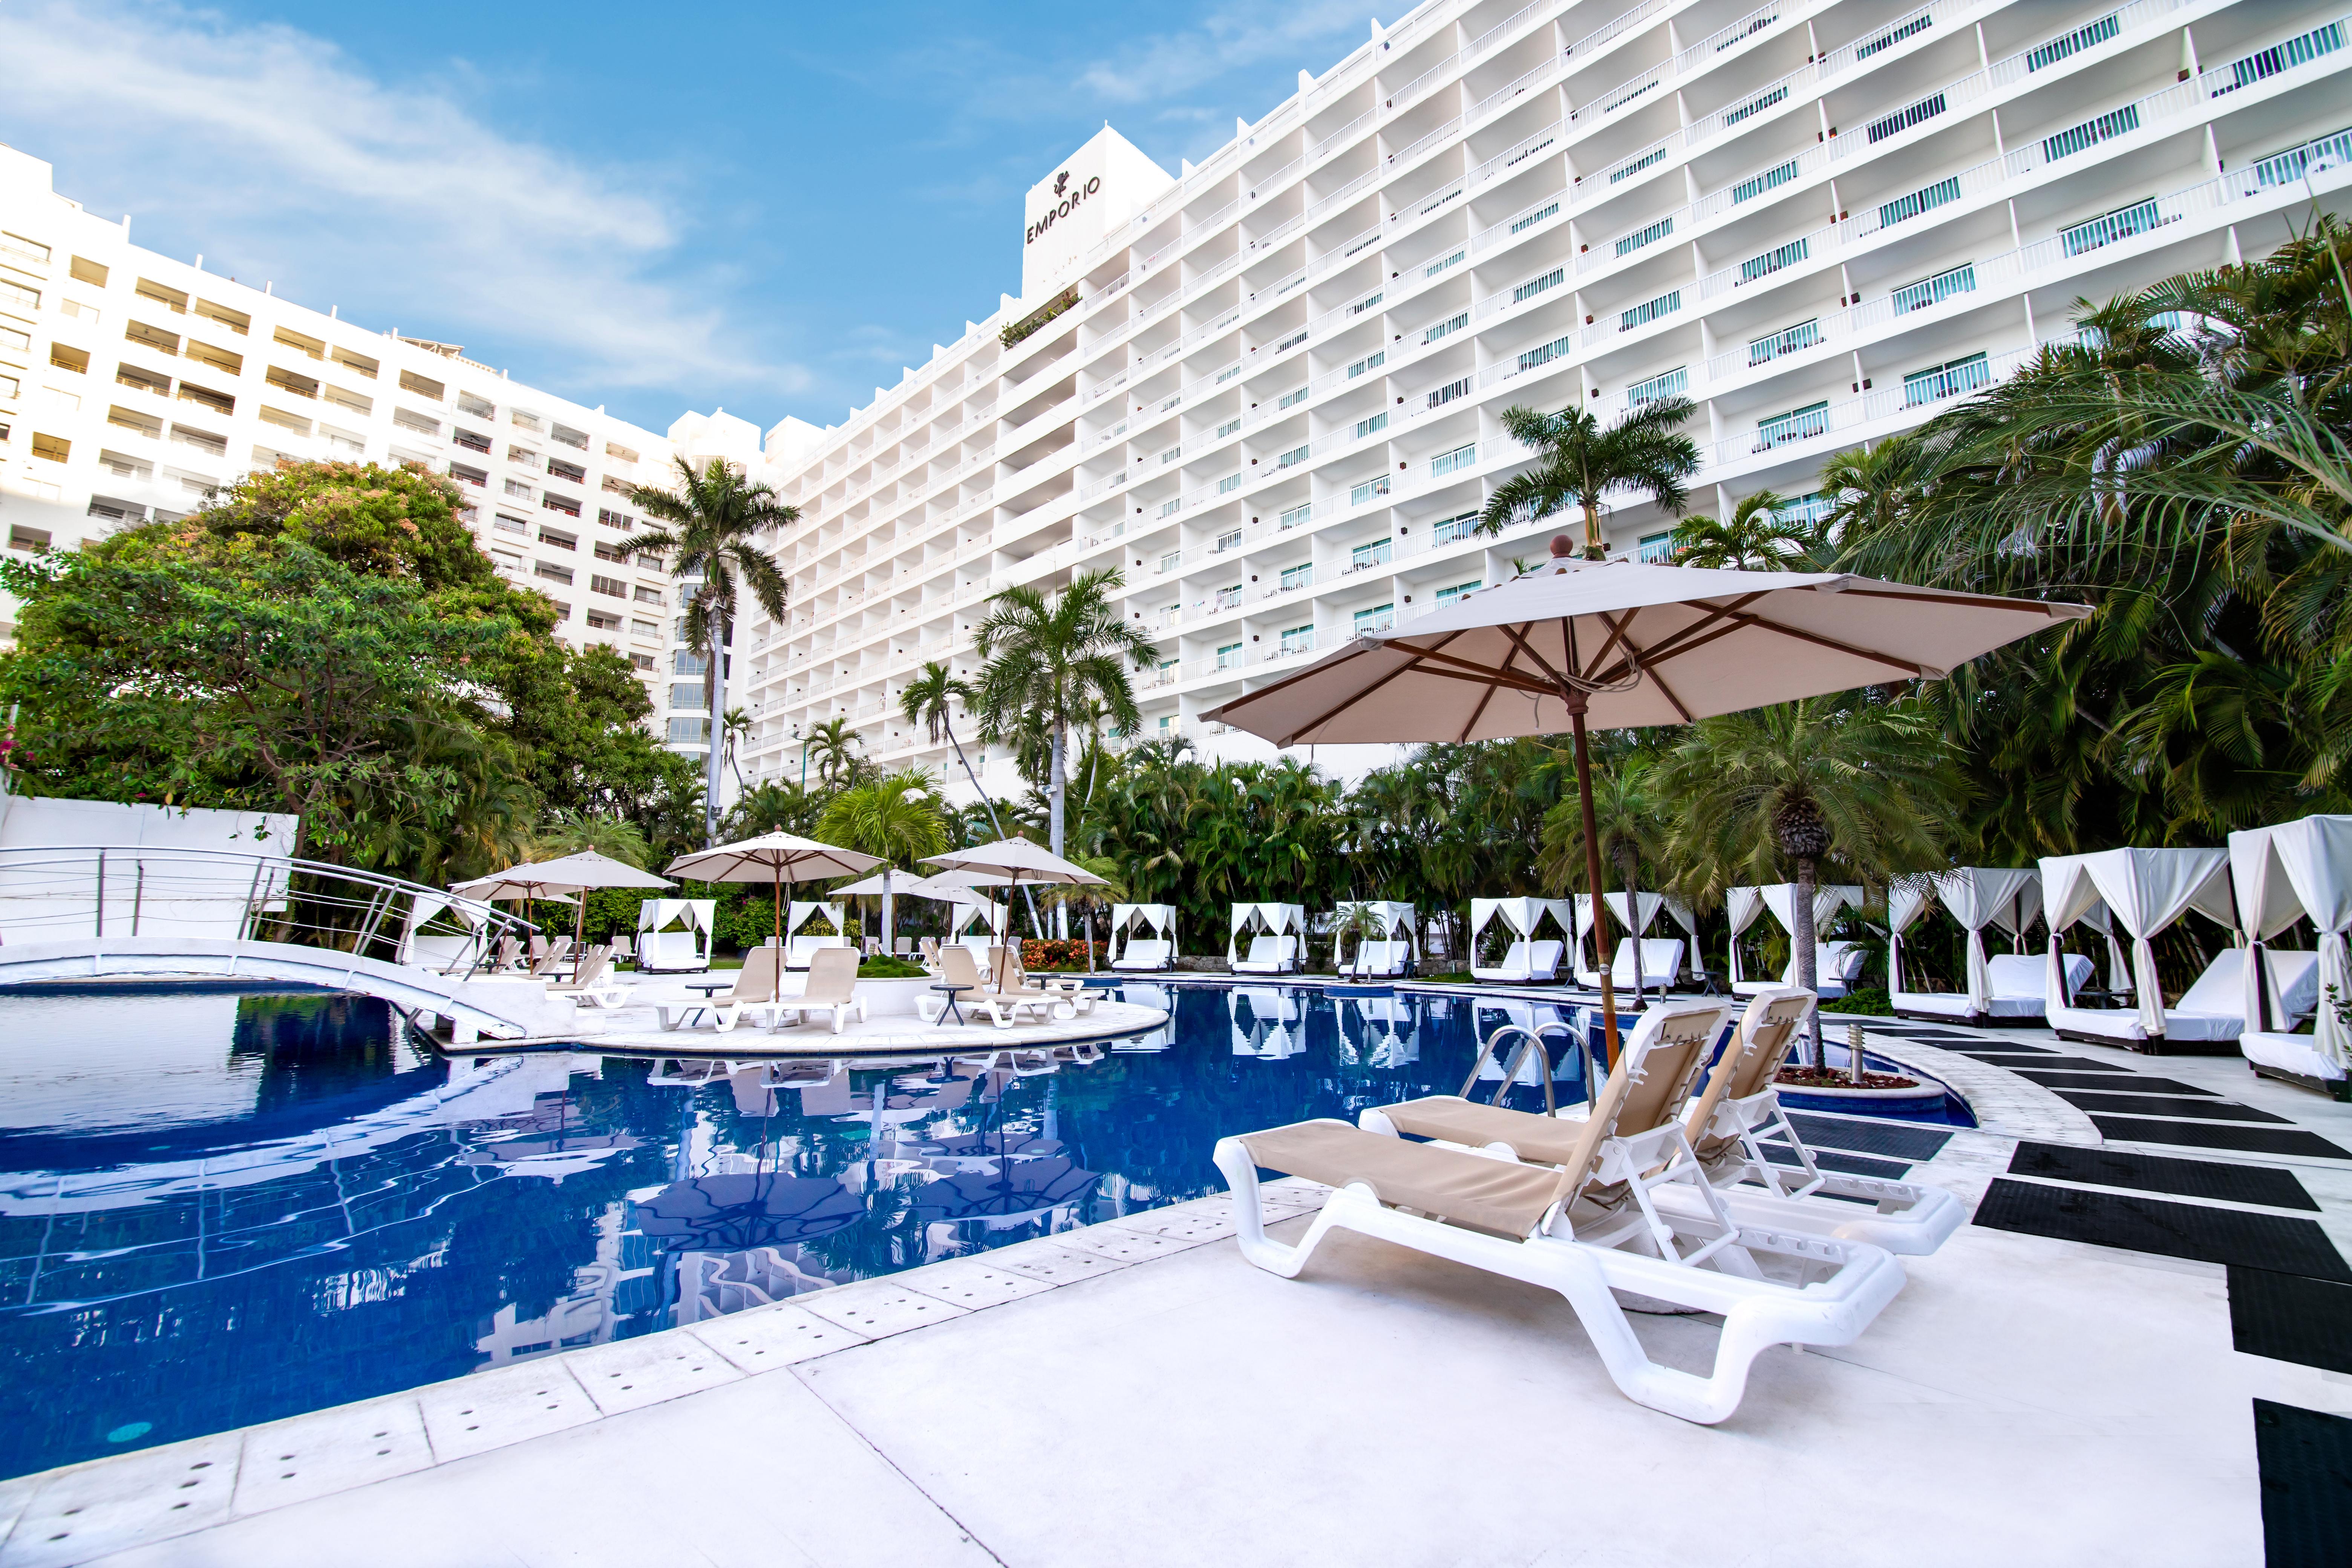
1135 1393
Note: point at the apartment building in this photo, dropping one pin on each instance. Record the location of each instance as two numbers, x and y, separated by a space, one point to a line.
132 384
1268 389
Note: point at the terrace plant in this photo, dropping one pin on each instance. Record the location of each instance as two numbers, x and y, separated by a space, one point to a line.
1581 460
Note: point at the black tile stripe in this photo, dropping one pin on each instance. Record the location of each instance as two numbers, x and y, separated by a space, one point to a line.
2049 1063
2130 1083
1844 1165
2305 1459
2234 1184
2291 1317
1899 1143
2246 1140
2157 1105
2172 1230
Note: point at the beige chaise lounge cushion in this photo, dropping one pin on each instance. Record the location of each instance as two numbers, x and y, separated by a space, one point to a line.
1540 1140
1488 1194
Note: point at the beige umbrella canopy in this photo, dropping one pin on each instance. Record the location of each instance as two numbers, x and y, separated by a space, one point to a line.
1623 644
774 858
558 879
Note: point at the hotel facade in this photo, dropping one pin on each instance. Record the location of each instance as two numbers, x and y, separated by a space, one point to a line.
132 384
1268 390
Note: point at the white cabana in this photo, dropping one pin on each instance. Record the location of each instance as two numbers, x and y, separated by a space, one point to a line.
1280 930
1276 1028
798 949
1393 953
674 934
1976 897
1836 964
1661 958
1156 950
1530 958
2145 891
1378 1032
2281 874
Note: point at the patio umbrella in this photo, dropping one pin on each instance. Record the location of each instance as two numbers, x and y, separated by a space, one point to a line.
774 858
891 884
1623 644
559 877
1019 862
736 1212
1008 1187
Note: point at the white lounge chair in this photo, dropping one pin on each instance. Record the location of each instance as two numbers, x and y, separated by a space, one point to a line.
754 989
1068 993
1378 960
545 958
1525 962
2211 1011
591 983
1661 963
957 967
1149 953
831 989
1728 1125
1591 1227
800 952
1837 967
1269 955
2016 987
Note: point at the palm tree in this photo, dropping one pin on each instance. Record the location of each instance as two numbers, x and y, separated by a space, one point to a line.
1773 791
575 832
927 699
1047 660
897 818
1632 829
1645 451
739 730
1759 536
774 806
1086 898
712 523
835 744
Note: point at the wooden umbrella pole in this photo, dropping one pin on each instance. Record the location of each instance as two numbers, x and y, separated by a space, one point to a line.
776 867
1601 943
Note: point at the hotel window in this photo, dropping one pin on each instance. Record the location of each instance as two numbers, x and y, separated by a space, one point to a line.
1448 595
612 519
686 662
1455 461
1362 305
1379 618
1372 426
1633 242
1534 286
52 448
518 488
1450 325
1372 491
599 621
1462 525
1797 425
689 694
1788 340
1376 554
23 538
1549 352
1229 484
1298 639
612 586
1960 280
1951 379
1227 428
648 595
1170 454
1295 454
1449 392
1168 674
523 420
17 294
1656 547
551 571
1641 315
1295 516
84 270
1172 560
641 660
1229 540
1369 362
1228 656
689 731
1172 507
423 385
1228 597
1291 343
1297 576
506 524
644 629
479 408
1288 399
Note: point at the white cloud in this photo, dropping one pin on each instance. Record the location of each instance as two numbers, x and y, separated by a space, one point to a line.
1170 64
274 150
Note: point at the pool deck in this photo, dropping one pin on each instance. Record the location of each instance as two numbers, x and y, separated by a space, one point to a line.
1133 1393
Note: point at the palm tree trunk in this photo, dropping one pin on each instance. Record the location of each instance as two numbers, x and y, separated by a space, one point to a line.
889 912
1631 872
1807 976
1594 549
989 806
717 687
1057 782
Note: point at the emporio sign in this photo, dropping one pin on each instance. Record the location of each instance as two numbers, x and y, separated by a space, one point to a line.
1065 202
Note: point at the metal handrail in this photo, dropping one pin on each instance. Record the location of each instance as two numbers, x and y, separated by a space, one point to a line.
1533 1042
272 905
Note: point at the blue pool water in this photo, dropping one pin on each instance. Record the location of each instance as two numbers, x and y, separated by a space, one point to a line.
220 1209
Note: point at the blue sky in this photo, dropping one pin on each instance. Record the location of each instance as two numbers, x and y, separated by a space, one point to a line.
771 208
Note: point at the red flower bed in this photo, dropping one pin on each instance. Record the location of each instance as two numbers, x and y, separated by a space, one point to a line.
1051 953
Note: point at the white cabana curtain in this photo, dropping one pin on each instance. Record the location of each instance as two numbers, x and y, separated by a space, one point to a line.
2144 891
1908 898
1686 918
1397 923
797 914
2311 859
1521 917
1779 900
1159 918
1978 897
1277 919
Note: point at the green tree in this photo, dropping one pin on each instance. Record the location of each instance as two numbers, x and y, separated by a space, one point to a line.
1759 536
1048 659
565 832
710 529
775 807
897 818
1627 815
1579 460
835 745
1767 794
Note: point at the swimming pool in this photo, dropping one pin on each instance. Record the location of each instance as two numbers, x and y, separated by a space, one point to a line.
218 1208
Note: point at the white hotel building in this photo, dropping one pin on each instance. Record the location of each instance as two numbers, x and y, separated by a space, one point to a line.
131 385
1269 391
